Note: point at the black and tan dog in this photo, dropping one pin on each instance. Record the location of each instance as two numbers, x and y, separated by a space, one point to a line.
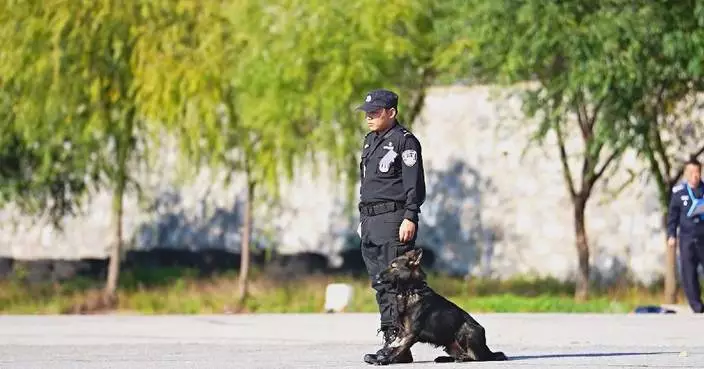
425 316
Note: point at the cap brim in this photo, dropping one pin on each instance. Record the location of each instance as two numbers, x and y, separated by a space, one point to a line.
367 107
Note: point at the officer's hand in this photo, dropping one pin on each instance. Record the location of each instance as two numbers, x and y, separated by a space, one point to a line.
406 231
671 242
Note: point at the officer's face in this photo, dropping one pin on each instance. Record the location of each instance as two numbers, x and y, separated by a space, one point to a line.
378 120
693 173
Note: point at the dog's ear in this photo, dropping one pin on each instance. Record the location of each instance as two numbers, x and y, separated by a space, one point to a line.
415 256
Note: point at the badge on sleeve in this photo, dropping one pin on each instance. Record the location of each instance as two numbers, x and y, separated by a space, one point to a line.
409 157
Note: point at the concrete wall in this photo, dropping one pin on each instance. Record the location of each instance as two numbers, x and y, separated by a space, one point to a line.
490 209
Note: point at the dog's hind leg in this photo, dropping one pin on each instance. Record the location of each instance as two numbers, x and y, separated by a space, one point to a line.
472 339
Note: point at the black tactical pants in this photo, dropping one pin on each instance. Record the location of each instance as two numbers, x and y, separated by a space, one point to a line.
691 256
380 244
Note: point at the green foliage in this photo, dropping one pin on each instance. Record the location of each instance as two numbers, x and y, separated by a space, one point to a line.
76 78
607 57
256 87
47 178
567 49
245 80
68 82
581 62
657 89
262 87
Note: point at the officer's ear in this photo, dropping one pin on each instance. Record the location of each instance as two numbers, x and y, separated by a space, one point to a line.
393 112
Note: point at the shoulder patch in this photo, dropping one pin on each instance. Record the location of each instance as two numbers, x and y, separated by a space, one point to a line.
409 157
406 132
677 188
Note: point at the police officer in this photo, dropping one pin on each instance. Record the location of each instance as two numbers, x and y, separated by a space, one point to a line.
691 231
391 194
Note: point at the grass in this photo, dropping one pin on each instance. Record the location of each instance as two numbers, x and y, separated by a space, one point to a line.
181 291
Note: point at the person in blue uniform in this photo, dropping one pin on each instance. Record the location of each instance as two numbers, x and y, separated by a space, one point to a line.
682 213
391 194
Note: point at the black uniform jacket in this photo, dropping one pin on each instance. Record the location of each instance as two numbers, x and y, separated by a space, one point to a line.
391 169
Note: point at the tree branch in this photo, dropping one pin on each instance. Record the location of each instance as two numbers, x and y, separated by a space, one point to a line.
565 164
655 167
661 152
659 112
699 152
426 79
598 173
582 117
597 108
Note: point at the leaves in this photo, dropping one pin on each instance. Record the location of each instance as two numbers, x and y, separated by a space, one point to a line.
283 78
71 89
276 81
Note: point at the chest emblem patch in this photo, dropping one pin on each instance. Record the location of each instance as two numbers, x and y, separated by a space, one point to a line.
385 162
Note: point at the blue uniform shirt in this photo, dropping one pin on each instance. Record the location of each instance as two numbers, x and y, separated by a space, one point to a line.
680 202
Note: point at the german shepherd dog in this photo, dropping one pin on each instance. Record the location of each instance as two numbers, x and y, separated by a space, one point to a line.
427 317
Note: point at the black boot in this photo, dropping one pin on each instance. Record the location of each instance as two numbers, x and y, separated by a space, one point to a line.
389 336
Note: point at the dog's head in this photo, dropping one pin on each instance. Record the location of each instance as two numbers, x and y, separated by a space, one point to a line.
404 269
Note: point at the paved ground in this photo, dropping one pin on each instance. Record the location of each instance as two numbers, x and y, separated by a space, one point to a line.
339 341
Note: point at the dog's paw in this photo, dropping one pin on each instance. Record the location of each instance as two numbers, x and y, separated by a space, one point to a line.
376 359
370 359
444 359
382 359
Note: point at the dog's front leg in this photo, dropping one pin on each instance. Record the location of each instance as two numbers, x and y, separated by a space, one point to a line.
395 349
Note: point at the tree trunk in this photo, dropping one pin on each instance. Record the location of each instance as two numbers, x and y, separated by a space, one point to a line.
670 294
244 248
582 287
122 147
114 266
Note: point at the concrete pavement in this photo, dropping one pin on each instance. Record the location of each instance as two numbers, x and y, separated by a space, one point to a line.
339 341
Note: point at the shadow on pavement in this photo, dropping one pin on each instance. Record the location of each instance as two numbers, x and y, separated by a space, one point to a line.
596 354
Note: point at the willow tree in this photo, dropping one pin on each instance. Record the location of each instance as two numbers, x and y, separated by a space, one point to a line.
77 73
206 88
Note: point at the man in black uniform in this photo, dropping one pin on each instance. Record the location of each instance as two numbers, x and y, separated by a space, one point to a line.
392 191
683 203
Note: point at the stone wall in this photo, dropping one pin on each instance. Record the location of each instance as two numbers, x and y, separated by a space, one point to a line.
492 209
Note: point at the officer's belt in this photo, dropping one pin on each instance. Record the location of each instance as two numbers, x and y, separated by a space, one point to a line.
380 208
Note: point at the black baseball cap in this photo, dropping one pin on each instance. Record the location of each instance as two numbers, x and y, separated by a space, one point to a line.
379 99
